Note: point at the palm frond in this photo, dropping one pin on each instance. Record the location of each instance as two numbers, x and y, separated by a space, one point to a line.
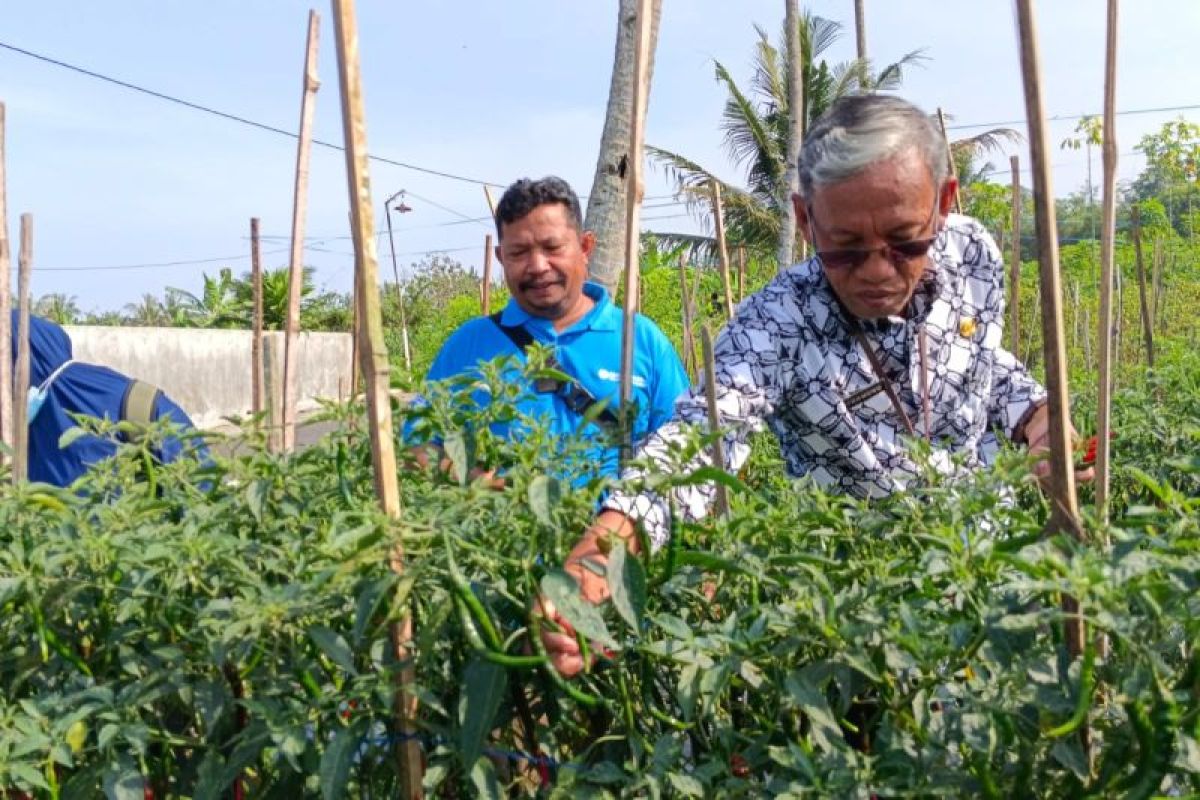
770 81
891 76
747 137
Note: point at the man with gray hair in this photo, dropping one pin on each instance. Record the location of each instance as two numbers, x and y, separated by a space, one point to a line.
892 330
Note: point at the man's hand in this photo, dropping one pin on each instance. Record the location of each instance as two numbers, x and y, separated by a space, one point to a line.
1036 434
421 455
610 529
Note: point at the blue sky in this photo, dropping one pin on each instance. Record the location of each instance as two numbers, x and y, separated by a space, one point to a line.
493 91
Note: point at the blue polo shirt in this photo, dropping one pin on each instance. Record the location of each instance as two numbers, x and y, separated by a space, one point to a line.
590 352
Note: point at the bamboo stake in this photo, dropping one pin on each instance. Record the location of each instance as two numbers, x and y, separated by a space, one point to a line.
633 207
1014 265
485 286
6 363
256 324
1156 301
1064 514
291 353
741 251
491 201
689 341
722 248
950 162
1143 299
373 354
717 451
1108 234
20 467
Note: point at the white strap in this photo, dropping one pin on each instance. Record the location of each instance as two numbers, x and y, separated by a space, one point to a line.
54 375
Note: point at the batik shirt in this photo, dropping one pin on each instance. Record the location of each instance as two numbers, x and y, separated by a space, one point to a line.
789 360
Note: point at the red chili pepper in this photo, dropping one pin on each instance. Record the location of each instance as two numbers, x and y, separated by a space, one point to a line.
739 766
1089 457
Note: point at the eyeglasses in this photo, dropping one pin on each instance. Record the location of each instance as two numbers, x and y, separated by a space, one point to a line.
898 253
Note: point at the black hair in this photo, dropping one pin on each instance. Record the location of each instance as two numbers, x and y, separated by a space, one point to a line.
525 195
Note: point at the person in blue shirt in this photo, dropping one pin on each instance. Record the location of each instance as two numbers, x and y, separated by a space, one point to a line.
544 251
61 386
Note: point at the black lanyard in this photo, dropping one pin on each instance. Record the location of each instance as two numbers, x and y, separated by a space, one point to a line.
890 390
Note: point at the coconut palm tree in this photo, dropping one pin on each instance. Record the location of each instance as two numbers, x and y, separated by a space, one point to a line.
606 208
60 308
214 307
755 127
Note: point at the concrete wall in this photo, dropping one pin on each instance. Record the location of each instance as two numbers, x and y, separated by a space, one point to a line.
207 372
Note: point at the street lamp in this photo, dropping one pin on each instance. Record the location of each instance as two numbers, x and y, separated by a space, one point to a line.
400 208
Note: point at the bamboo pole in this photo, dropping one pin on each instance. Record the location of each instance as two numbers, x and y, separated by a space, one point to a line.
20 469
1156 301
1143 297
485 285
6 363
256 323
1108 235
689 340
373 354
291 354
1014 265
953 168
633 207
717 451
1064 514
722 248
741 251
491 201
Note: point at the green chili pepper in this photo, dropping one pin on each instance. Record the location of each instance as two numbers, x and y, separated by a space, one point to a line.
1087 686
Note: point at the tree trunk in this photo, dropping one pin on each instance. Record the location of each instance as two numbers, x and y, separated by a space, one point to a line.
606 208
795 82
860 28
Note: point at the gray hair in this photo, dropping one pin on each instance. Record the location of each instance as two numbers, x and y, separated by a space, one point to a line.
862 130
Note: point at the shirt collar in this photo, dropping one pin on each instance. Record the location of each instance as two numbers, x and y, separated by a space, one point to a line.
603 316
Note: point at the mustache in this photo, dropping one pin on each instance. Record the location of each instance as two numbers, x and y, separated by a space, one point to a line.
529 284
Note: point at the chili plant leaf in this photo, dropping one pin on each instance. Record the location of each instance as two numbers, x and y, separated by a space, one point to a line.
122 781
544 494
483 778
483 688
338 758
460 449
333 646
627 586
563 592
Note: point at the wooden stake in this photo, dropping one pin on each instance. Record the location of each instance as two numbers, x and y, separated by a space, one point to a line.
20 467
714 418
6 363
291 355
689 341
256 324
1156 298
1064 513
485 285
1108 233
633 207
375 370
1014 264
741 251
950 163
1143 295
722 249
491 201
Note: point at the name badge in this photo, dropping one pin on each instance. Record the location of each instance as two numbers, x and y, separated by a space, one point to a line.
863 395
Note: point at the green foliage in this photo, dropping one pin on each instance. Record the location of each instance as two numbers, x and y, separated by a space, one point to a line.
232 622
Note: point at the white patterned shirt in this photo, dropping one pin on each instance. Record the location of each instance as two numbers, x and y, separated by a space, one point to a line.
789 360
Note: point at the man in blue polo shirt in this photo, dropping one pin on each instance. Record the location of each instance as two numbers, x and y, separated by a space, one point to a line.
544 251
